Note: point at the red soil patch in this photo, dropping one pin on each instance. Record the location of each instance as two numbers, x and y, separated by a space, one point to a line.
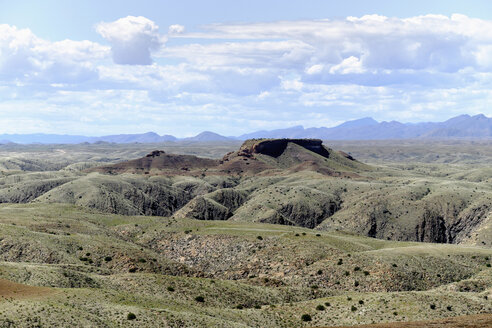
10 289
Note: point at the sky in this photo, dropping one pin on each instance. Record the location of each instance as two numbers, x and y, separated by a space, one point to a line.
232 67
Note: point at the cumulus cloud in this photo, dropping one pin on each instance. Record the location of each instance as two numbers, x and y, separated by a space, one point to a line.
132 39
429 42
176 29
26 58
237 77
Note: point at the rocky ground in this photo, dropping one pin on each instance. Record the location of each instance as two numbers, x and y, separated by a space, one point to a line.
291 236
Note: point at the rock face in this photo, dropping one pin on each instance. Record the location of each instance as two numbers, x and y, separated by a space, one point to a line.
275 147
218 205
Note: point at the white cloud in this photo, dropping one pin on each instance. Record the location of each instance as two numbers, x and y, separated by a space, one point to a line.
176 29
350 65
25 58
234 78
132 39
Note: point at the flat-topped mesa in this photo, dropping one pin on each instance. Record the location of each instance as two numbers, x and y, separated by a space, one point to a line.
275 147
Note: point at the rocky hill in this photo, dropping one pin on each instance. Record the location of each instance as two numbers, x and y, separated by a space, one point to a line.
278 233
295 182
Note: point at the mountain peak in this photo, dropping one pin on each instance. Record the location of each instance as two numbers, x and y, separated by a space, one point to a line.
366 121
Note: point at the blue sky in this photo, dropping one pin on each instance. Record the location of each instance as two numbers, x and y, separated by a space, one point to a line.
104 67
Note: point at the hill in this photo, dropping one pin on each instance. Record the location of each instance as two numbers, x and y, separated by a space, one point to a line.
276 233
284 181
91 268
463 126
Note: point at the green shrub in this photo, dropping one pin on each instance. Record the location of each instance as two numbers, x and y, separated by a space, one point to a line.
200 299
356 268
327 304
170 288
131 316
433 306
306 317
108 258
320 307
259 238
353 308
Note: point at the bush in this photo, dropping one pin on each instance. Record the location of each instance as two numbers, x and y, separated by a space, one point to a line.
83 258
366 273
320 307
356 268
356 283
200 299
318 235
361 302
353 308
170 288
320 271
340 262
142 260
449 307
132 270
239 307
306 317
433 306
108 258
131 316
259 238
327 304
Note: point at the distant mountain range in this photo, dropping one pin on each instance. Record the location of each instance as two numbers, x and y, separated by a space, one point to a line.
463 126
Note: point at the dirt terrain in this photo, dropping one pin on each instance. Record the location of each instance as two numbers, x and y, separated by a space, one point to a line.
470 321
276 233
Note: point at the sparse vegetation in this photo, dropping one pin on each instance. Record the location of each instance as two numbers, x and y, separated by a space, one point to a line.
87 264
